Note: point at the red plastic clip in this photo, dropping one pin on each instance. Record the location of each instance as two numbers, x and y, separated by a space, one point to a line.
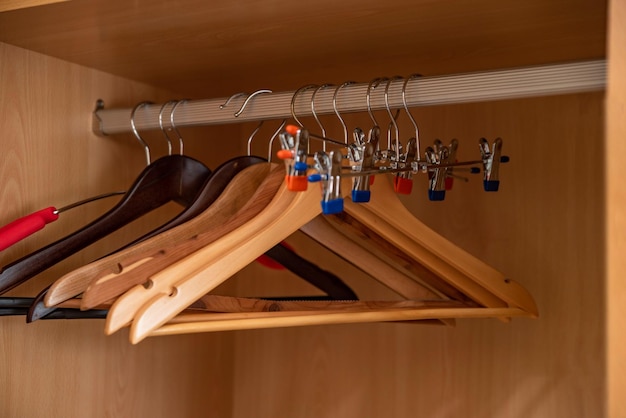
449 183
403 185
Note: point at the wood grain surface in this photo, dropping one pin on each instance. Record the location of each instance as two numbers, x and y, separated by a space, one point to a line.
207 49
615 149
545 228
50 157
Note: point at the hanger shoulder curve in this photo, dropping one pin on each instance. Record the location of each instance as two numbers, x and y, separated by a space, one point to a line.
219 240
386 206
78 280
272 226
157 184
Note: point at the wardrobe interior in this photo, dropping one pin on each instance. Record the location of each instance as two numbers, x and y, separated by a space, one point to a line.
553 226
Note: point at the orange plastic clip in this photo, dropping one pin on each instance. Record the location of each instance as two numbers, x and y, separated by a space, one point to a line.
284 154
296 183
292 129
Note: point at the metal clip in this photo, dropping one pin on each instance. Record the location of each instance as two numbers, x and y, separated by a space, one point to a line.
294 142
491 163
361 184
452 148
329 168
436 156
403 182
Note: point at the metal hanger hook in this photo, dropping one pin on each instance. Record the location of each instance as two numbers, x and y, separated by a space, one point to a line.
256 130
234 96
250 97
317 119
134 129
393 119
167 138
371 86
343 124
406 108
173 125
280 128
293 101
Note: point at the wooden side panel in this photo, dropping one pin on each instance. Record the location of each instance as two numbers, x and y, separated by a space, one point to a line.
616 211
542 229
50 157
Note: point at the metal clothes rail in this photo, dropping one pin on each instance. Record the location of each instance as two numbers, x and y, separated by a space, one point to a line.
545 80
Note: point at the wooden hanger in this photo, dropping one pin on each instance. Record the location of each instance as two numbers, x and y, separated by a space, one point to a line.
171 178
194 323
369 261
162 307
473 277
270 202
77 281
285 214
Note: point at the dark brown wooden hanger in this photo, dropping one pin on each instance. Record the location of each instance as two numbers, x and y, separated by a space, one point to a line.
172 178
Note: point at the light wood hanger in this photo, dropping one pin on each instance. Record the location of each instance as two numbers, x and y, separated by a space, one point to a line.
271 195
338 242
512 297
467 273
187 324
180 284
109 268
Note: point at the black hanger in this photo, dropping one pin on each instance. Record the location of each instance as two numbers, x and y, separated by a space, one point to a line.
172 178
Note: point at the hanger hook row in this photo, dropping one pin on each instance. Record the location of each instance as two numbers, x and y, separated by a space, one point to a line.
248 99
343 124
134 129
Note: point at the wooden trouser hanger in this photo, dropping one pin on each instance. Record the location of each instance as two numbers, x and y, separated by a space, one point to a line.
222 263
478 280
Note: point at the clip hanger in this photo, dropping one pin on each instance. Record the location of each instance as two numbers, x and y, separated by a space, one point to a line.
491 163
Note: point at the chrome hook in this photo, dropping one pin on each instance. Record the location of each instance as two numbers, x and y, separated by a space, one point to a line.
134 129
256 130
343 124
393 119
180 137
234 96
372 85
167 138
250 97
406 108
293 102
323 86
280 128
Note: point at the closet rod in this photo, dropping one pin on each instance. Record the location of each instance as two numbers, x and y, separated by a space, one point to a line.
545 80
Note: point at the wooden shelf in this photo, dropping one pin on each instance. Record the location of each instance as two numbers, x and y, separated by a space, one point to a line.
203 49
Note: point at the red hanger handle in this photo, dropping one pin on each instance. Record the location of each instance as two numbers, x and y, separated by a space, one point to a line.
25 226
